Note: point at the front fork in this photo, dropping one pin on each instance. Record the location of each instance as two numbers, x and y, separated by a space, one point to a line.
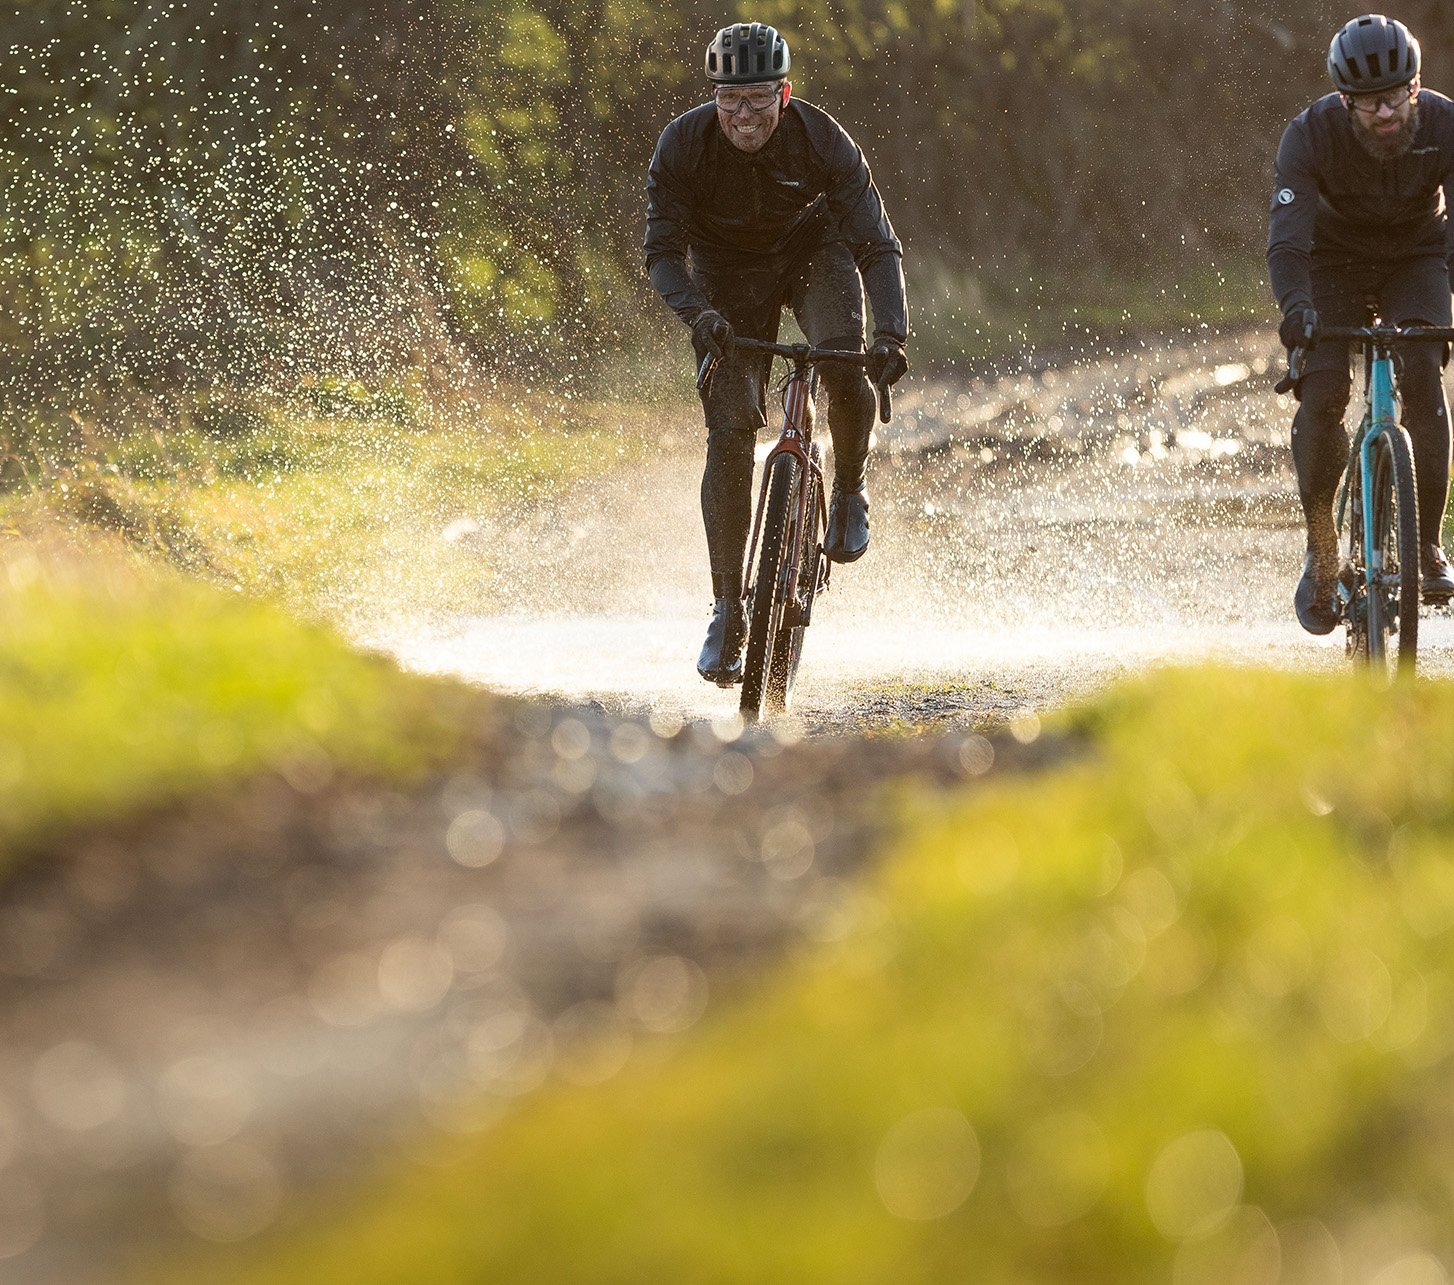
791 569
1382 393
799 606
1356 583
795 441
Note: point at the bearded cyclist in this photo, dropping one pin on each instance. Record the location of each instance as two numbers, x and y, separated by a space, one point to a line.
757 201
1359 218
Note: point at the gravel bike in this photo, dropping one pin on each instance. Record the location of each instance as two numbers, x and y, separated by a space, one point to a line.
1377 590
787 567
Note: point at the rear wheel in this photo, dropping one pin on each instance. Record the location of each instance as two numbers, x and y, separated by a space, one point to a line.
1392 581
772 620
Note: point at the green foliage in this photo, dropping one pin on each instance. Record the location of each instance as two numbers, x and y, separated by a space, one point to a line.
195 189
261 190
337 499
1179 1008
257 191
125 687
966 316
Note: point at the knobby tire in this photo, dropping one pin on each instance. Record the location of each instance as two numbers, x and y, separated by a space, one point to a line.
772 652
1393 614
787 648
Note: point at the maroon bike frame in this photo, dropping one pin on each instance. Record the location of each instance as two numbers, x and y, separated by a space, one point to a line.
796 438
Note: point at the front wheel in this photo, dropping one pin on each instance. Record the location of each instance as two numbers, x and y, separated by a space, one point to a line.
1392 573
805 543
775 618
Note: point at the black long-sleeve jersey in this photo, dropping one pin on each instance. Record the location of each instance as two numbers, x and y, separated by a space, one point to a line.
809 184
1331 196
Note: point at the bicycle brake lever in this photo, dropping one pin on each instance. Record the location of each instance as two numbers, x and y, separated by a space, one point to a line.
885 403
704 372
1294 371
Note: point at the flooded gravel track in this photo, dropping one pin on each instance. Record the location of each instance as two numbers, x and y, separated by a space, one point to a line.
210 1011
220 1006
1034 536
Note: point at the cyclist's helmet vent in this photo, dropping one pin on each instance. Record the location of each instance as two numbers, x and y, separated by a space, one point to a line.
1372 53
747 54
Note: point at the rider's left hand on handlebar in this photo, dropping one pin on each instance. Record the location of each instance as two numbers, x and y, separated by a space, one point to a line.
886 362
1299 328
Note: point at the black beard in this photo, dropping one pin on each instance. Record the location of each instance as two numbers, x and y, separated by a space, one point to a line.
1386 149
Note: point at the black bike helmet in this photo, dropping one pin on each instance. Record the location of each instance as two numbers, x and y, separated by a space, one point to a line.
1372 53
747 54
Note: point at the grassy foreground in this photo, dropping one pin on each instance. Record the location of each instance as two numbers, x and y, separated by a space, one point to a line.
1182 1009
155 564
125 684
354 506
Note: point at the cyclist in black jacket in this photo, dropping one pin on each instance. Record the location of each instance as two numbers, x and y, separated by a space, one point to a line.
756 202
1359 219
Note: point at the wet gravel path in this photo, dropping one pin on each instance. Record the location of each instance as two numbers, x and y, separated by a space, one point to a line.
1036 535
211 1009
225 1003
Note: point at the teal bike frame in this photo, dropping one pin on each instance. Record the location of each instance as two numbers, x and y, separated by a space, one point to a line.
1377 591
1380 415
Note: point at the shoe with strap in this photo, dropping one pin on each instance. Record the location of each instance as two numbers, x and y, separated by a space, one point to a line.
721 658
1436 578
847 536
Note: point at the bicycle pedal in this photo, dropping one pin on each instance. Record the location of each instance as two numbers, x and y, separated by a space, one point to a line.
1437 599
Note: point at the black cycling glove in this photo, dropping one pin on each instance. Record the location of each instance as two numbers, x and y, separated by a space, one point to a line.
1295 326
886 362
712 333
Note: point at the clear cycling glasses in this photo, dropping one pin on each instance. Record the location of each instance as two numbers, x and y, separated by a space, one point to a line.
1393 99
732 101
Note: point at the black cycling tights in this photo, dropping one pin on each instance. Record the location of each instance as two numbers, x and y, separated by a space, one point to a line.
1320 441
736 409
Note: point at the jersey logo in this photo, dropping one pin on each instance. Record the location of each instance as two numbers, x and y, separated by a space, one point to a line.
1285 197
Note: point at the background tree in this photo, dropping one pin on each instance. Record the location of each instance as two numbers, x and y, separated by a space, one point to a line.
193 192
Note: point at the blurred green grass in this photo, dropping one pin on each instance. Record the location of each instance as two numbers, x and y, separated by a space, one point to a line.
125 685
1179 1009
343 510
964 322
158 567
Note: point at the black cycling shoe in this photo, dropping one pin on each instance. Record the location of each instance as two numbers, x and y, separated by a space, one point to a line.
847 537
721 658
1313 601
1437 580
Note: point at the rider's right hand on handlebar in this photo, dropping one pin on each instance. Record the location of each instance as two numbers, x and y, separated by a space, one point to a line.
1299 328
712 333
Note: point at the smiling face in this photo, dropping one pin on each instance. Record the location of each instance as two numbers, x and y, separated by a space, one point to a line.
748 114
1385 123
